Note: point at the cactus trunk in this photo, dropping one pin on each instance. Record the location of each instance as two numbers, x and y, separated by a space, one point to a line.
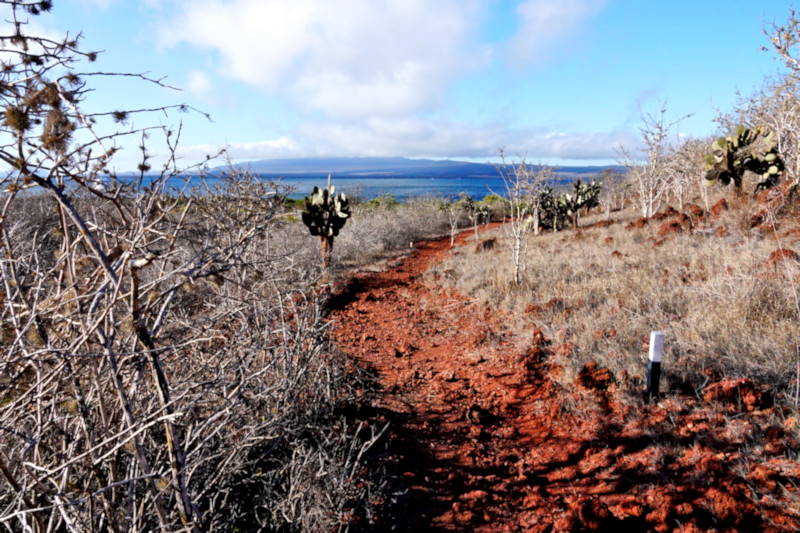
326 247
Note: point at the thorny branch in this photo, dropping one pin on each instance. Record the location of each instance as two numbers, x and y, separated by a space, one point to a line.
162 365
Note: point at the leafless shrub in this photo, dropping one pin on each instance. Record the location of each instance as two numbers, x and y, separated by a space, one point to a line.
651 179
164 364
685 164
373 231
615 192
523 183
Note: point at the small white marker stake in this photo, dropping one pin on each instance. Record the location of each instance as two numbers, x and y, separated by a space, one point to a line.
654 363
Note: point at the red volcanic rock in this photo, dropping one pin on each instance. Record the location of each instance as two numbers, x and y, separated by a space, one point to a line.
740 391
617 254
669 212
774 440
601 334
532 309
722 503
629 507
556 304
781 255
486 436
642 222
601 224
671 226
539 338
565 349
592 377
719 207
592 514
758 219
793 235
721 231
695 210
474 495
685 221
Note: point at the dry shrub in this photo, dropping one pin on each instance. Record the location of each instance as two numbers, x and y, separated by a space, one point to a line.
177 375
371 232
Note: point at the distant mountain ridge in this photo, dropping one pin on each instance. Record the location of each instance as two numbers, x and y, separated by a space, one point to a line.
393 167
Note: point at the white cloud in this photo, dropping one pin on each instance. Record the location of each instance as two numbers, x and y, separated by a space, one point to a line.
365 74
427 138
349 59
545 24
245 151
440 138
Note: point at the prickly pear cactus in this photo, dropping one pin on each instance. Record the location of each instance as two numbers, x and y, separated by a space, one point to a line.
557 208
482 214
747 149
550 209
325 213
584 196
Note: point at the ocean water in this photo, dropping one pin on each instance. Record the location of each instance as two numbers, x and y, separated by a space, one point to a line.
402 188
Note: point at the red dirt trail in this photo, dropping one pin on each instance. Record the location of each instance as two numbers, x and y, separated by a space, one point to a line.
483 439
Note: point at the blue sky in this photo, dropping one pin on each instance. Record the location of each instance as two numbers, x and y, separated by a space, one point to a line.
561 81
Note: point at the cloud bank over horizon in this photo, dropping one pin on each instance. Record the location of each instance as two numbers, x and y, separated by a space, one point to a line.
369 78
428 139
561 82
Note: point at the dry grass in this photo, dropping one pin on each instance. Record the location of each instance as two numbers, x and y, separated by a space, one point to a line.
724 309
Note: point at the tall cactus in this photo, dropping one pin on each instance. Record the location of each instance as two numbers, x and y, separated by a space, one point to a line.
584 196
747 149
325 213
549 208
558 207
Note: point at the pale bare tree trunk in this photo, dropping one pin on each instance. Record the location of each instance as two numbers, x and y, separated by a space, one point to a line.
523 187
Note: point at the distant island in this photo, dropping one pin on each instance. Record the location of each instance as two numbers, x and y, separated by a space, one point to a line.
393 167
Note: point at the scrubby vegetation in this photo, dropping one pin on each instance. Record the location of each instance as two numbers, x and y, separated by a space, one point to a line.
166 359
723 294
670 249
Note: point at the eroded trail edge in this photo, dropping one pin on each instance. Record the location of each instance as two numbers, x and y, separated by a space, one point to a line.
482 439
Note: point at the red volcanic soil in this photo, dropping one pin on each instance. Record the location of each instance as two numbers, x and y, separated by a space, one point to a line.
482 438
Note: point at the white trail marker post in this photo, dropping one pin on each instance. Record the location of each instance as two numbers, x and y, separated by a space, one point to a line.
654 364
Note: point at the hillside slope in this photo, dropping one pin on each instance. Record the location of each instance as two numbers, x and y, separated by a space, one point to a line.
483 438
